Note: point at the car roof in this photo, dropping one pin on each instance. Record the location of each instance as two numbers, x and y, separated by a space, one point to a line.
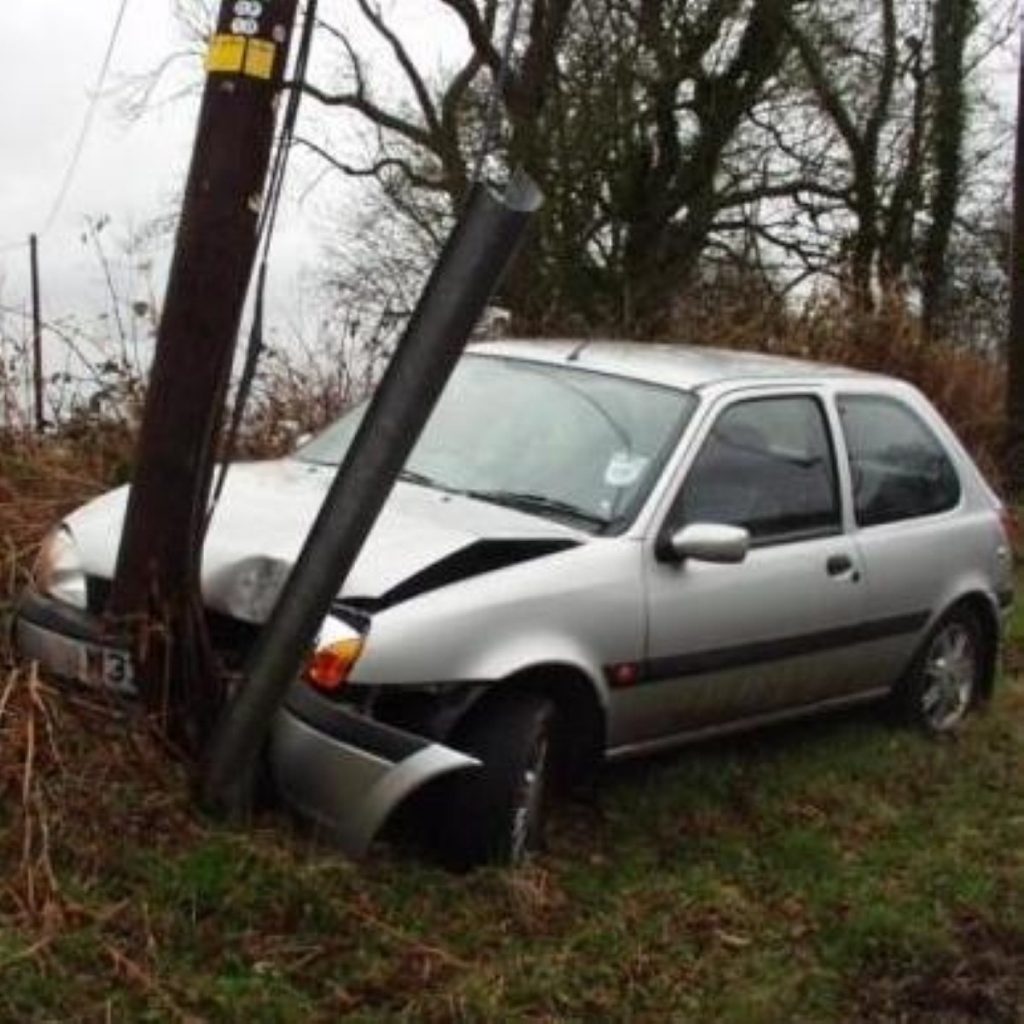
682 366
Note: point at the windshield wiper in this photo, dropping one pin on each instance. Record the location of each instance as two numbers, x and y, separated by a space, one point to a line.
410 476
522 500
539 503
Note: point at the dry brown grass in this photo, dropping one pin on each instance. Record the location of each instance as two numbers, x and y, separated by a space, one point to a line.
41 479
80 780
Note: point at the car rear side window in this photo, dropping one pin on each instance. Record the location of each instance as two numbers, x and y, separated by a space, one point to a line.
767 465
899 468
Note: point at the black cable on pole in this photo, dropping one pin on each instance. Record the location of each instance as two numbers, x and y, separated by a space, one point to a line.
265 231
497 91
90 113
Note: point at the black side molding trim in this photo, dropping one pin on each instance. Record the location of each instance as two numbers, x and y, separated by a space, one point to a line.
721 658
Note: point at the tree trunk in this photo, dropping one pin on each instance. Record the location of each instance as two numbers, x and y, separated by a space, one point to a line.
1014 453
953 22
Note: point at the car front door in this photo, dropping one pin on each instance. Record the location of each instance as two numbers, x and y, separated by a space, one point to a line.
780 629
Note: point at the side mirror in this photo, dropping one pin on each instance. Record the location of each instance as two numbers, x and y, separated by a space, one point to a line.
706 542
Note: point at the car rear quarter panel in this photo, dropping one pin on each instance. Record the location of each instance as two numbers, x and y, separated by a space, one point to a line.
927 567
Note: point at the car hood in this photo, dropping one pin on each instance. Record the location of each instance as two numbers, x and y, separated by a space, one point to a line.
267 509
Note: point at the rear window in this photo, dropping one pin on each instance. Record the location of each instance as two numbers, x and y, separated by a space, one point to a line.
899 468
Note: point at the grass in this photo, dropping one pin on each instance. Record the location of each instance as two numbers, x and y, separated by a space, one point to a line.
835 870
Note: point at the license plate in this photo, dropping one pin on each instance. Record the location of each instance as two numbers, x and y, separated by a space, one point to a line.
107 668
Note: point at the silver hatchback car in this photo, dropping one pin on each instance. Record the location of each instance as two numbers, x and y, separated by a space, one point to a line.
595 551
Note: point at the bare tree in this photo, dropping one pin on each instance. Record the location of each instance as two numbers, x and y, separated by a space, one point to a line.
679 143
865 71
624 111
897 82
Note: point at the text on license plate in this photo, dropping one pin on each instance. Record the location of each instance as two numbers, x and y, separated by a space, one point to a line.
107 668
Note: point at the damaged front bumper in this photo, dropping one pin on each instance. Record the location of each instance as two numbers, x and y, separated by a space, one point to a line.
347 772
344 771
71 644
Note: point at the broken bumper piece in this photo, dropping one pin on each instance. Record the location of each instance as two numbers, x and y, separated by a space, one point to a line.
346 772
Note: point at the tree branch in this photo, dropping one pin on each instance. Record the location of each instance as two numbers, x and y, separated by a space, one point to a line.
479 31
358 101
375 169
823 85
413 76
781 190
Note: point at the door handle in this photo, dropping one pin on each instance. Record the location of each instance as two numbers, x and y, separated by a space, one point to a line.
837 565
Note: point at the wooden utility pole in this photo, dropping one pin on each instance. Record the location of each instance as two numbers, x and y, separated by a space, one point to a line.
155 593
1014 456
37 336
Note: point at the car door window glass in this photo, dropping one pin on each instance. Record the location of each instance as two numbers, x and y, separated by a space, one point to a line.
898 467
766 465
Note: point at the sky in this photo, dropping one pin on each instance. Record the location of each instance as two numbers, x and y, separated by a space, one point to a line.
132 170
51 57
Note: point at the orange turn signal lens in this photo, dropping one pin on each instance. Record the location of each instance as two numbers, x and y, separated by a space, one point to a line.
329 667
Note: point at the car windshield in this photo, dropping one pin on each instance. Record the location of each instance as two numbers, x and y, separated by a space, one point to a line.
552 440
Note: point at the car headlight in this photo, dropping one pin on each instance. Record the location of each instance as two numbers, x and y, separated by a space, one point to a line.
58 572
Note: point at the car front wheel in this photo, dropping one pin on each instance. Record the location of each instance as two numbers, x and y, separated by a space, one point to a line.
497 814
945 680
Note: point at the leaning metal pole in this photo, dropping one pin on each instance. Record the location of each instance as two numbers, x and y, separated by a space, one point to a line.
469 269
1013 459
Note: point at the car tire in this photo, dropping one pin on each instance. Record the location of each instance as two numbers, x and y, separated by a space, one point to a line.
497 814
946 679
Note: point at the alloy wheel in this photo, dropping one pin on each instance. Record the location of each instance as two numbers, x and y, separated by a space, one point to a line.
950 674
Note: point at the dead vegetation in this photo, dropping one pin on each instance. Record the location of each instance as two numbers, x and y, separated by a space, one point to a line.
983 981
66 759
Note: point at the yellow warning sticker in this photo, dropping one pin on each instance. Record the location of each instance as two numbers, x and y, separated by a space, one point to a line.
226 54
259 58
